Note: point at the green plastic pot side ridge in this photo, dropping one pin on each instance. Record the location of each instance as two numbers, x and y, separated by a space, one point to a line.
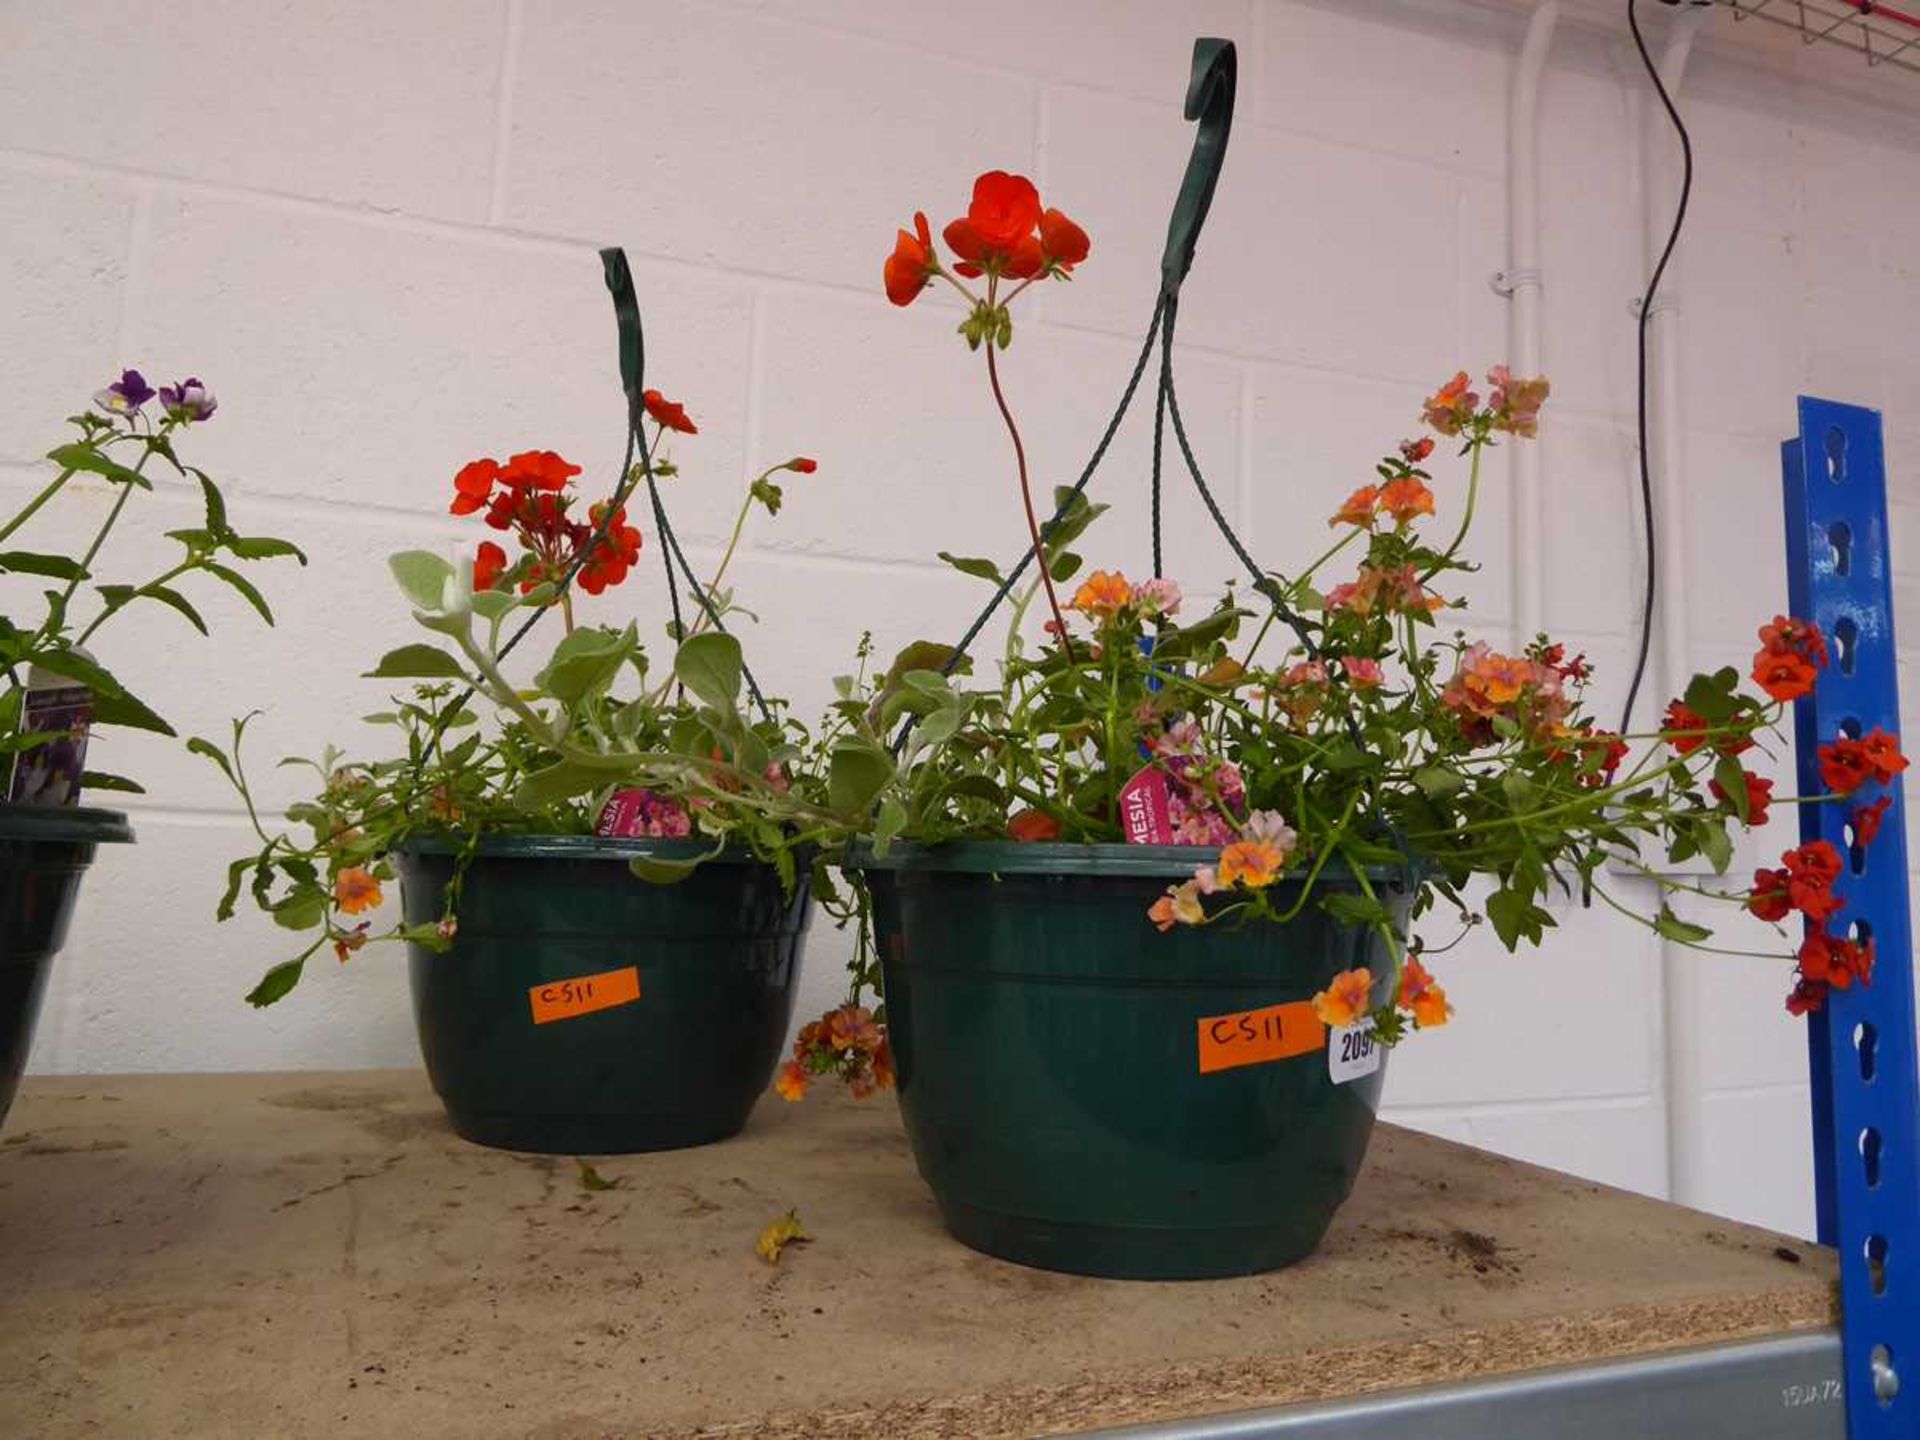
1048 1045
44 851
717 956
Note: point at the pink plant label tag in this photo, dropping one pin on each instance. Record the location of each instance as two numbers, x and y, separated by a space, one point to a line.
624 816
1144 809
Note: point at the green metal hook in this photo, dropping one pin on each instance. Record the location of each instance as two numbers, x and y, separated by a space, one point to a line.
1209 101
626 312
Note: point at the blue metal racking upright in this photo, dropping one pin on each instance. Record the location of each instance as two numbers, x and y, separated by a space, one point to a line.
1861 1047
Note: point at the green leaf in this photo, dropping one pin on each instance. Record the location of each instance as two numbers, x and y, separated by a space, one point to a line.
1731 776
1352 909
1712 697
119 595
101 780
26 562
888 823
1715 844
276 982
211 751
245 586
1439 782
77 456
1518 789
493 604
710 666
657 871
1674 928
302 908
129 711
1064 566
236 874
557 782
857 771
417 662
586 662
1515 917
216 507
977 566
590 1178
422 577
264 547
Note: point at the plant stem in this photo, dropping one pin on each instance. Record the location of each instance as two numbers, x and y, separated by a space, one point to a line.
1466 519
27 512
1026 496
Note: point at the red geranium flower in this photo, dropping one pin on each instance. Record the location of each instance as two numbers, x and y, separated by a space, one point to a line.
912 263
1866 820
613 556
1769 898
1680 719
1806 997
801 465
669 413
1845 765
538 470
1811 871
473 485
1063 243
1033 825
1783 674
997 232
488 565
1883 754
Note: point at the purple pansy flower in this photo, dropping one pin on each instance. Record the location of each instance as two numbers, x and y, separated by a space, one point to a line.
126 395
189 400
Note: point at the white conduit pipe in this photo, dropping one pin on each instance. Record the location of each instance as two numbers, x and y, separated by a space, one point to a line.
1684 990
1522 281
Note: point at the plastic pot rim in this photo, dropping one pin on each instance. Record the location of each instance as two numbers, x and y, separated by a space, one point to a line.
1018 857
577 847
64 824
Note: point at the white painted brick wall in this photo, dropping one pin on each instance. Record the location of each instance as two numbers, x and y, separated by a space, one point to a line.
372 227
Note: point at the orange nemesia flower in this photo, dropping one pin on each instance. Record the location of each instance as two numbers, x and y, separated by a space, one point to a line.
1346 998
1418 993
1253 863
791 1083
1103 595
1406 499
1359 507
354 890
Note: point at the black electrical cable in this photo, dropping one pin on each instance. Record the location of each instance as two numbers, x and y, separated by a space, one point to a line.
1646 319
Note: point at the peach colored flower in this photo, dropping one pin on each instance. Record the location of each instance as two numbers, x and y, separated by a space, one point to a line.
1359 508
354 890
1103 595
1406 499
792 1081
1418 993
1362 674
1346 999
1179 906
1253 863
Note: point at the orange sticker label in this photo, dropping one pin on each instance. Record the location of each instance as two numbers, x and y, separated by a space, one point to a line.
1255 1037
584 994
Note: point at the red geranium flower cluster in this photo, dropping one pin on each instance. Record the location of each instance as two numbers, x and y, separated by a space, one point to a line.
1005 233
530 496
1804 883
1846 764
1792 653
